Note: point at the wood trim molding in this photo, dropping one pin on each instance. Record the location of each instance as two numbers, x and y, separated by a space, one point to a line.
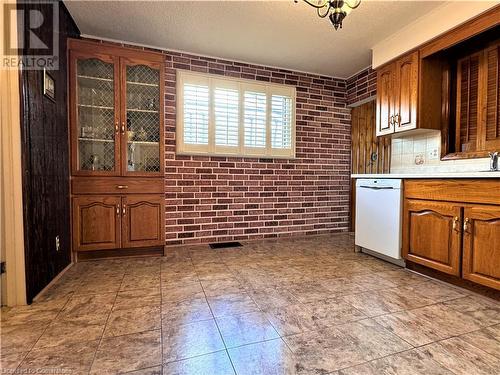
116 49
476 25
11 205
472 27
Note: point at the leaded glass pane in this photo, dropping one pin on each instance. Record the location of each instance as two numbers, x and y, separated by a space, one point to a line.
96 129
143 119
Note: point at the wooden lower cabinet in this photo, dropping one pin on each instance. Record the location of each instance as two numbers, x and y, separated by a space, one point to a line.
143 216
104 222
481 245
453 226
432 234
96 222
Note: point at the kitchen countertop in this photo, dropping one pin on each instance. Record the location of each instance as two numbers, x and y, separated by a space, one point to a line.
431 175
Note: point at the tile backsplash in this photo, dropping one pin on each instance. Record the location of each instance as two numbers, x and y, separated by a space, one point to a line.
422 154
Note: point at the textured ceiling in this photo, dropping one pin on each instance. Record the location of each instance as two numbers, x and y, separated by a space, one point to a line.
276 33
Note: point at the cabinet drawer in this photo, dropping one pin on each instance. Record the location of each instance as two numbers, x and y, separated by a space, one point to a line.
117 185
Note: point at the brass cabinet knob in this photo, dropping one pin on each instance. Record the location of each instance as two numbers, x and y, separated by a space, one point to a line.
122 186
456 222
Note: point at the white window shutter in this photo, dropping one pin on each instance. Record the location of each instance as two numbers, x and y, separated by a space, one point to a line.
226 114
195 107
255 119
281 122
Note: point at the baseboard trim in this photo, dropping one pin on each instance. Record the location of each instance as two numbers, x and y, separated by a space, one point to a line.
83 256
54 280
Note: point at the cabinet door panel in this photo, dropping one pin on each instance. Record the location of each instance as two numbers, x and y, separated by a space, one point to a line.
406 92
491 136
142 114
431 235
385 97
481 249
96 222
143 220
94 114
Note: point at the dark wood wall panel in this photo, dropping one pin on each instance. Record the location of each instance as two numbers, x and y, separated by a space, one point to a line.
45 162
364 144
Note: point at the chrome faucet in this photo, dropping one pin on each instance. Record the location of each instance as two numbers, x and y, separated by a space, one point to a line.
493 161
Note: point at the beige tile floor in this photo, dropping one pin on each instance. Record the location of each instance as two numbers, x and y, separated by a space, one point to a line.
293 306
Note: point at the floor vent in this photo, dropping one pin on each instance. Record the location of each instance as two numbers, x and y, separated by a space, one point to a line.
224 245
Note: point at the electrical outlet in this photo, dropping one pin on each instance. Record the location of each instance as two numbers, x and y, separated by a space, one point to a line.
432 154
58 244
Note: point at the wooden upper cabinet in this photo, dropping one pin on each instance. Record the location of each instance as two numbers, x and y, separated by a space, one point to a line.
116 110
143 218
481 245
385 100
432 234
397 95
96 222
406 101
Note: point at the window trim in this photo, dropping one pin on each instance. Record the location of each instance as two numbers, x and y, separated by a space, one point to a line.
241 84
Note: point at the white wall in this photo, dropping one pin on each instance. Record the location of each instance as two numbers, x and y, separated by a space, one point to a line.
423 29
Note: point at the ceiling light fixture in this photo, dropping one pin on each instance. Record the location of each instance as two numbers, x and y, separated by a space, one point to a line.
335 10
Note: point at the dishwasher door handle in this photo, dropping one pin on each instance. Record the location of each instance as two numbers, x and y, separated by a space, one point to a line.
376 187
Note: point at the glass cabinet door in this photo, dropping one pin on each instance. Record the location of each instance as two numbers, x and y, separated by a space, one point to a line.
97 142
142 119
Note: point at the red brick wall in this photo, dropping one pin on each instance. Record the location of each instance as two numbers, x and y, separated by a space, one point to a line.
361 86
210 199
217 199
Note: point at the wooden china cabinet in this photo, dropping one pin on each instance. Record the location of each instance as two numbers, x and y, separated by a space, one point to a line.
117 143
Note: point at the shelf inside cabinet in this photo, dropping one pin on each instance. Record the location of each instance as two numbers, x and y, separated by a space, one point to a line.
95 78
95 139
142 84
146 143
95 106
142 110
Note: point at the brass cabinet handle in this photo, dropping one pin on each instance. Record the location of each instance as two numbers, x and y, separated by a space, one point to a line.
466 224
124 210
117 127
123 127
122 186
118 210
456 222
391 120
397 119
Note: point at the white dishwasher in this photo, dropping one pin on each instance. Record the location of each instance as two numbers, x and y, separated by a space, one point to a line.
378 218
